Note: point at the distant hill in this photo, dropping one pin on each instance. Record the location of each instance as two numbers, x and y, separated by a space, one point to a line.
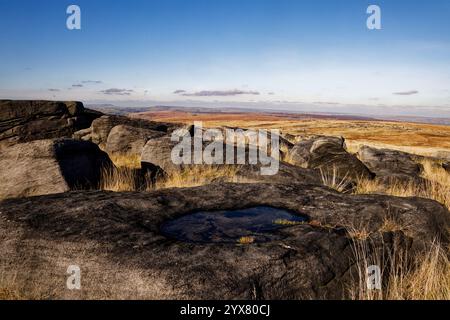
167 111
115 110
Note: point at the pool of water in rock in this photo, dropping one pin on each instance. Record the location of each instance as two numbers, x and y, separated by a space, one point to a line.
230 226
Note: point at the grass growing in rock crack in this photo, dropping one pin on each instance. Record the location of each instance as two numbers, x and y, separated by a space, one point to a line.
333 179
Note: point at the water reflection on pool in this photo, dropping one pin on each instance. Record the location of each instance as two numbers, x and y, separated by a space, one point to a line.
256 223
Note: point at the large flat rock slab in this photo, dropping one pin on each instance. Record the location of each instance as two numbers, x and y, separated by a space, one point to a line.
116 240
28 120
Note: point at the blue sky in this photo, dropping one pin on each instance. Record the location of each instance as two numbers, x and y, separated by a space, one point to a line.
269 53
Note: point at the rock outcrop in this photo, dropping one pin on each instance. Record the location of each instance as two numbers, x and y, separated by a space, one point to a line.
157 153
24 121
328 154
101 127
115 239
129 140
392 165
50 166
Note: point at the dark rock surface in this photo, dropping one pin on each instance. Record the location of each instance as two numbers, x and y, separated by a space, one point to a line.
50 166
392 165
130 140
329 155
23 121
115 238
101 127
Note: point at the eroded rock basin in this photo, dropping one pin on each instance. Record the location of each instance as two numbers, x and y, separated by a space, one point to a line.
254 224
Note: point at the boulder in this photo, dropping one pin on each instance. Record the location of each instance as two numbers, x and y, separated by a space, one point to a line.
116 240
101 127
130 140
50 166
392 165
24 121
284 144
328 154
158 152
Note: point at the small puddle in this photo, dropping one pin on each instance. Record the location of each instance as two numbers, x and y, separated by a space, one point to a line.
230 226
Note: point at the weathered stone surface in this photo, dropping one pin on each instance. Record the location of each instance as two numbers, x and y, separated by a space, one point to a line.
116 240
392 165
129 140
49 166
284 144
101 127
23 121
329 155
158 153
290 137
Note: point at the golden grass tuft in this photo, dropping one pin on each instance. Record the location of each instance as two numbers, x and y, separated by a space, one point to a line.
285 222
193 176
125 174
132 161
246 240
332 179
118 179
422 277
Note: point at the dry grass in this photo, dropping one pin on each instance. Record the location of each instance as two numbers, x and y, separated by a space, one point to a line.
333 179
126 175
13 289
193 176
427 276
437 186
422 277
246 240
285 222
132 161
120 179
